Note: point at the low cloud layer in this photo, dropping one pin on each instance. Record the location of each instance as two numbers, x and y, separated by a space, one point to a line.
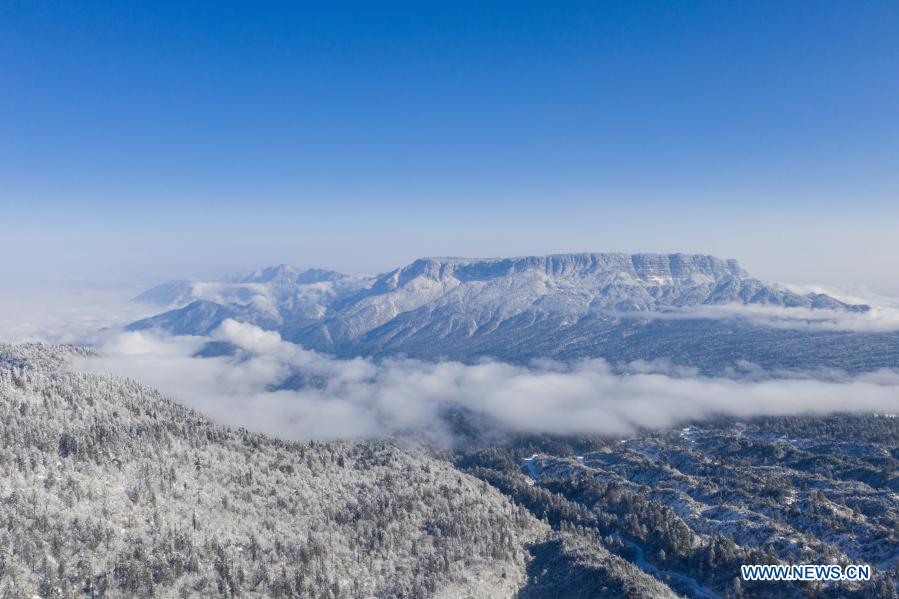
879 319
363 398
64 314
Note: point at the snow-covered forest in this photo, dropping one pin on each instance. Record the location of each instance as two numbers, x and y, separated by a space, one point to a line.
111 489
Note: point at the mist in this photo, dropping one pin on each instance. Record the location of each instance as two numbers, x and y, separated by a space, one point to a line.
881 318
362 398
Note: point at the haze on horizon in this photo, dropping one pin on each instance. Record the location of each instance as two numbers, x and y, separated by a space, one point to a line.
144 143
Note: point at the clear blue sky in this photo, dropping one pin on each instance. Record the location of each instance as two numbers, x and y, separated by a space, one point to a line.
176 138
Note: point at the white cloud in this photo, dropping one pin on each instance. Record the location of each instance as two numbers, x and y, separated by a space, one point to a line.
361 397
879 319
65 315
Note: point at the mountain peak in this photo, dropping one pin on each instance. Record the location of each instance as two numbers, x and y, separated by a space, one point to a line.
287 274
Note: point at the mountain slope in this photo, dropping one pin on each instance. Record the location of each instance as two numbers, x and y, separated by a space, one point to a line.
111 489
691 505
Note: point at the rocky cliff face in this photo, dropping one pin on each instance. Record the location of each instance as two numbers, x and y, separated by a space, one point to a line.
477 292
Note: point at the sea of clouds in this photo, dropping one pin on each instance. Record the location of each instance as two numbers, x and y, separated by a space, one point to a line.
878 319
360 397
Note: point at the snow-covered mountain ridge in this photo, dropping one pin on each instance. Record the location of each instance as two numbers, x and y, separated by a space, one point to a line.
514 308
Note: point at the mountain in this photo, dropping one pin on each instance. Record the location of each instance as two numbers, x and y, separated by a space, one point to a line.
617 306
111 489
279 289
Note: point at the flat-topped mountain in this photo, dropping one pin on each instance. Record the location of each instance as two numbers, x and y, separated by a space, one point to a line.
479 293
562 306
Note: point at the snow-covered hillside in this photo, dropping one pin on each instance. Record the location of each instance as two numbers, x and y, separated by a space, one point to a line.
111 489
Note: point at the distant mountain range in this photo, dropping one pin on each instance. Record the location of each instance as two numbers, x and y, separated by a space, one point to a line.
617 306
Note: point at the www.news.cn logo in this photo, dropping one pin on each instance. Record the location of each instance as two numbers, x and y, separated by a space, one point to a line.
809 572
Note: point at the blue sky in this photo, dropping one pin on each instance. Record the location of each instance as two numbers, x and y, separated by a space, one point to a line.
157 139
